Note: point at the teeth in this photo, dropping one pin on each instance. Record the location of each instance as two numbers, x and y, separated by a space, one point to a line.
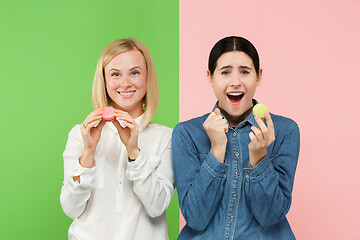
235 94
126 94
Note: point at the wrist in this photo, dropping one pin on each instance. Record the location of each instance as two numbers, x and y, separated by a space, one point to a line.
133 154
254 159
89 151
87 159
219 153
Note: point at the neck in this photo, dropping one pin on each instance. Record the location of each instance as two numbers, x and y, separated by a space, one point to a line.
235 120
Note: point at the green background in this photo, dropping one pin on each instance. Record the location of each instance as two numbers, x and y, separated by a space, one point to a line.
49 50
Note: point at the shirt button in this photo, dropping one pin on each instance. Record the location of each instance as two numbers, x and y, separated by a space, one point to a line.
235 196
238 173
248 172
224 170
232 218
234 134
228 239
236 154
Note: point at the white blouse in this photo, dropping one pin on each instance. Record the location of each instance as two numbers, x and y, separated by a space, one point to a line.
117 199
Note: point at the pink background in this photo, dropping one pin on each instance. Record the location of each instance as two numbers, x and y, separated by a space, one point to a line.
309 52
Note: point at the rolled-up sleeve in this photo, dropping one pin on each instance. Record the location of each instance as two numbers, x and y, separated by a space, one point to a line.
74 195
153 179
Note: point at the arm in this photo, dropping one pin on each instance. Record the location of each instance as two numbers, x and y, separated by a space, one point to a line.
74 194
153 179
200 185
269 184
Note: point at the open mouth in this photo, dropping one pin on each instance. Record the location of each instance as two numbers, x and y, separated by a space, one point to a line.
235 97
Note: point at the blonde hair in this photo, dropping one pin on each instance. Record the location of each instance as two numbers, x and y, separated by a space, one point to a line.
101 99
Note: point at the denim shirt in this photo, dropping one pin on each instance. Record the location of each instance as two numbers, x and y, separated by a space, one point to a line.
231 200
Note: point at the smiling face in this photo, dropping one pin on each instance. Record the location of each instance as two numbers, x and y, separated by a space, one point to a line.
234 82
126 81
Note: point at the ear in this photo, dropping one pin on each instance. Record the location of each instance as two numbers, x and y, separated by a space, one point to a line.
259 78
209 77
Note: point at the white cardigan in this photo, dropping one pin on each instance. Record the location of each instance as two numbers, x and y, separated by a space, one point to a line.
117 199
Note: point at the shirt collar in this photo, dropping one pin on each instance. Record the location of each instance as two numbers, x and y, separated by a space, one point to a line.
138 120
250 118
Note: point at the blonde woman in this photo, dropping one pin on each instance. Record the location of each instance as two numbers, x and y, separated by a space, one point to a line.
118 178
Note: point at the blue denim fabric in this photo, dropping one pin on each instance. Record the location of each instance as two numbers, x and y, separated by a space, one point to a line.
231 200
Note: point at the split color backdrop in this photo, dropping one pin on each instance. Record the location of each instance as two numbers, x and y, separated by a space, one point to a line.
309 51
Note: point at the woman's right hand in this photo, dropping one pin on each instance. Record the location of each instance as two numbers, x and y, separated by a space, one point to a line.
91 135
216 127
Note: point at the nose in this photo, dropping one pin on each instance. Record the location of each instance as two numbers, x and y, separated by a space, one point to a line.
235 80
125 82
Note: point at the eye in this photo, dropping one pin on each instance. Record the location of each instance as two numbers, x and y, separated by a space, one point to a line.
115 74
135 73
245 72
225 73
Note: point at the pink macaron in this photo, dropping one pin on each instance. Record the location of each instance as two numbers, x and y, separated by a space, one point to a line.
108 114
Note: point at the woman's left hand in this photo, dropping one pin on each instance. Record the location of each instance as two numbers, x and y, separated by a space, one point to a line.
128 134
261 138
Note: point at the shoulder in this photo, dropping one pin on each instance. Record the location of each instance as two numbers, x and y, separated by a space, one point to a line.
75 131
193 123
192 127
284 125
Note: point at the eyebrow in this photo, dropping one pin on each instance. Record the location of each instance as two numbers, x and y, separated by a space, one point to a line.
246 67
115 69
135 67
229 66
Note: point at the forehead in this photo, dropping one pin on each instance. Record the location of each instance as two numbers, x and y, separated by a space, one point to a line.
234 58
128 59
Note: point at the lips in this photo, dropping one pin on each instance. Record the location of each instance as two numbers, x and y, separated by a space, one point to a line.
235 97
126 94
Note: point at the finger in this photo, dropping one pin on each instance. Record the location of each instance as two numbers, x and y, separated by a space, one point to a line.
252 137
101 124
208 119
129 125
98 126
95 113
263 128
217 111
226 129
270 124
220 125
225 125
118 126
211 116
122 113
258 134
216 119
124 117
92 118
91 125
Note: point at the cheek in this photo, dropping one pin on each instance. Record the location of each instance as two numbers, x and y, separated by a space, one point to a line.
142 83
219 88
